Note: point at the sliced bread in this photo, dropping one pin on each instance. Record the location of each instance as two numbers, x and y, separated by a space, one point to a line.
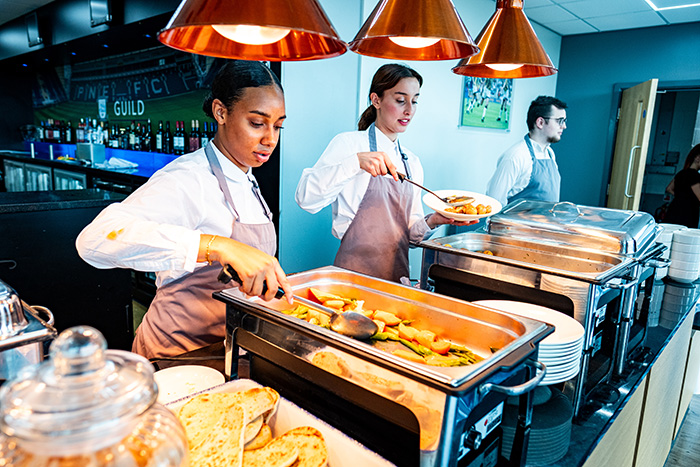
277 453
223 444
311 445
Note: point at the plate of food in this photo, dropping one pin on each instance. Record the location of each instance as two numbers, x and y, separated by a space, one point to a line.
180 381
482 206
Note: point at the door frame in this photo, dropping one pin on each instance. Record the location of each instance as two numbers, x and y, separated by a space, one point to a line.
612 121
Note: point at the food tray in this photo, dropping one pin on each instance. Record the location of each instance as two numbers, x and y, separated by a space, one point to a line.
343 451
479 328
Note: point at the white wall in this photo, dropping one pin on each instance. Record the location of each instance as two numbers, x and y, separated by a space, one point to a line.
326 97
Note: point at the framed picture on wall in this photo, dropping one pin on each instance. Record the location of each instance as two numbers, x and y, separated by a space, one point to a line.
486 102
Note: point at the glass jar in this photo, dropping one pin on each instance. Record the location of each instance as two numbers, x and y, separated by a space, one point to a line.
88 407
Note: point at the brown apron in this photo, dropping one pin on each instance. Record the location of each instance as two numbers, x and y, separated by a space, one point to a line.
183 315
377 240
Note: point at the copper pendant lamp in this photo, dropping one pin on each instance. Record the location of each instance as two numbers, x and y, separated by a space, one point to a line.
509 47
253 30
414 30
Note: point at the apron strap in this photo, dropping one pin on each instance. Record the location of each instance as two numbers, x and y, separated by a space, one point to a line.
219 174
372 133
223 186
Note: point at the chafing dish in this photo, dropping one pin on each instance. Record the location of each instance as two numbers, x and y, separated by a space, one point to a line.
442 414
584 261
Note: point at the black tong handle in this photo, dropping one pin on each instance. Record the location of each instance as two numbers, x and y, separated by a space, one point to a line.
229 274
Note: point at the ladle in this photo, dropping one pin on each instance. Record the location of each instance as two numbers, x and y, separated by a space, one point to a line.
454 200
347 323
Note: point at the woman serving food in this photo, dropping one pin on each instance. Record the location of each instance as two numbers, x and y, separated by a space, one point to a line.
374 215
201 209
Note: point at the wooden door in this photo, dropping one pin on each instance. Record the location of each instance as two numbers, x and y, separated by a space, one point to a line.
631 145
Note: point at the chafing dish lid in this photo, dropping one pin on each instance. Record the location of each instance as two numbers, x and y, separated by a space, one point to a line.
603 229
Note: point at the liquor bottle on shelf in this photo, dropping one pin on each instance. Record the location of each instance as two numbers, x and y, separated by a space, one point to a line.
138 139
68 133
194 137
147 138
80 132
124 138
132 136
114 137
204 135
167 139
178 140
159 137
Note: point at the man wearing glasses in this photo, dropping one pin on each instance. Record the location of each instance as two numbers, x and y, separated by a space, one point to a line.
528 169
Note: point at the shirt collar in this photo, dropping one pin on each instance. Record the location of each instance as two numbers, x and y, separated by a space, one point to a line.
384 143
229 168
537 147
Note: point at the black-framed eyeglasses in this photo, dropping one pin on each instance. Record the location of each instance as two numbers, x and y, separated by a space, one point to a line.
561 120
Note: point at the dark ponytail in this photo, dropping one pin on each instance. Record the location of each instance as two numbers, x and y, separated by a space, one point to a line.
386 77
233 78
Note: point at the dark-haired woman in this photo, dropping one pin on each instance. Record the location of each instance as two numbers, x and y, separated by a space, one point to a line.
375 216
685 188
197 213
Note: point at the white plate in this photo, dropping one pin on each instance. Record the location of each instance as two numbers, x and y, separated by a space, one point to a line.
181 381
436 205
567 329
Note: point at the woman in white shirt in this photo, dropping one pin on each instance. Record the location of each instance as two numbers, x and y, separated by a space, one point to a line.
375 216
203 208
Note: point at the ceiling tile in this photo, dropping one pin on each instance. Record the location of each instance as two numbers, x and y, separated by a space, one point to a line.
594 8
682 15
671 3
527 4
566 28
626 21
549 14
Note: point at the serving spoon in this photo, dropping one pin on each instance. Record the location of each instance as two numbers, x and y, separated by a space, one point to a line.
454 200
347 323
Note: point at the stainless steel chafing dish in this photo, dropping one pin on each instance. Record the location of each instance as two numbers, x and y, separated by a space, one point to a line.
584 261
445 411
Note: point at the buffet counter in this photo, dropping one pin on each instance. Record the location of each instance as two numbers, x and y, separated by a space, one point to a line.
635 417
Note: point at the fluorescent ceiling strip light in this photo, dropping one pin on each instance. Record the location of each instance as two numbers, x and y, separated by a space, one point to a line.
656 8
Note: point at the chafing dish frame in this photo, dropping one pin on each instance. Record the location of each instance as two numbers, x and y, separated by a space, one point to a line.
247 319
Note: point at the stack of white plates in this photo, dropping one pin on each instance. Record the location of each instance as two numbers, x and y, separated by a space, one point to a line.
677 299
685 256
577 291
666 237
561 350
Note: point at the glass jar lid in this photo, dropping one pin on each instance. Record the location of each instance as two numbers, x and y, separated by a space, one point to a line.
12 319
82 391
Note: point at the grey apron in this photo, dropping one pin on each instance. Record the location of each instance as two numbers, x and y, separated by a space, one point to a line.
545 180
183 315
377 240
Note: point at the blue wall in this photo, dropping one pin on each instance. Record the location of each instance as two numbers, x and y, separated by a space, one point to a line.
590 67
326 97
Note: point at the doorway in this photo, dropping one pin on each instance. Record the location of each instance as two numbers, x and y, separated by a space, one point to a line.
674 131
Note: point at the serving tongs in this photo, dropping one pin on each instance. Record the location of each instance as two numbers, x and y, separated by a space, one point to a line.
347 323
454 200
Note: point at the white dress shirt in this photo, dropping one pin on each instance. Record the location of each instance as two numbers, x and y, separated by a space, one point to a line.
514 170
157 227
337 179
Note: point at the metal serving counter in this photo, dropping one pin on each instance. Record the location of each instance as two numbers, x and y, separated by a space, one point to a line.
599 414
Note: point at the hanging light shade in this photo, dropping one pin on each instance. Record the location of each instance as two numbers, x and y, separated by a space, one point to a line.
509 47
253 30
414 30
